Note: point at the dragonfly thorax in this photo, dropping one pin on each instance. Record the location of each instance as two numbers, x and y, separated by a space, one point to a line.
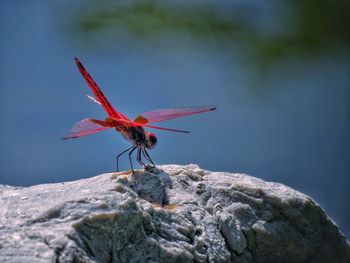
140 137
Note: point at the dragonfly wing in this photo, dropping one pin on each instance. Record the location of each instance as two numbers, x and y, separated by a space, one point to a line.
98 93
86 127
126 124
167 114
93 99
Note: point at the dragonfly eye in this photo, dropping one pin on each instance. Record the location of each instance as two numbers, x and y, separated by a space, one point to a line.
152 140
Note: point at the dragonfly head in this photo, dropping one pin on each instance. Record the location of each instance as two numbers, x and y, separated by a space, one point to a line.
151 140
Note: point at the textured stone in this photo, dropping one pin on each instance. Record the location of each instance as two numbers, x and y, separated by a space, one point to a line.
170 214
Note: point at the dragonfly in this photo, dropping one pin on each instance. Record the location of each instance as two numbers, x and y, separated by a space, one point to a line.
132 130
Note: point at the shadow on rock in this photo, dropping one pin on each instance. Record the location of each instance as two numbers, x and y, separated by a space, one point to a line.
149 185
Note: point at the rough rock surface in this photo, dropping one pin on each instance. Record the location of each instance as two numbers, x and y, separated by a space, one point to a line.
171 214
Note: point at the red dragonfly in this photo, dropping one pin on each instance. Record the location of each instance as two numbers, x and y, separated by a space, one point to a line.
132 130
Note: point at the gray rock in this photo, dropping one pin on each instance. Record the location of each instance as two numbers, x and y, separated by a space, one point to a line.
171 214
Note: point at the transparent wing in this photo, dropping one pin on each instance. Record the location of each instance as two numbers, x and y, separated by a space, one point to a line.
117 123
167 114
100 97
85 127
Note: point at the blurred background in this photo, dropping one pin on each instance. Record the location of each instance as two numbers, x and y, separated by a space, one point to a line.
277 70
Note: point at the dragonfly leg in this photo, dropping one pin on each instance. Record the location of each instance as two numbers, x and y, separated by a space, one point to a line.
146 155
132 150
139 160
121 155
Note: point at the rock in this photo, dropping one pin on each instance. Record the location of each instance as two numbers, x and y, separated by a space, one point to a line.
170 214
